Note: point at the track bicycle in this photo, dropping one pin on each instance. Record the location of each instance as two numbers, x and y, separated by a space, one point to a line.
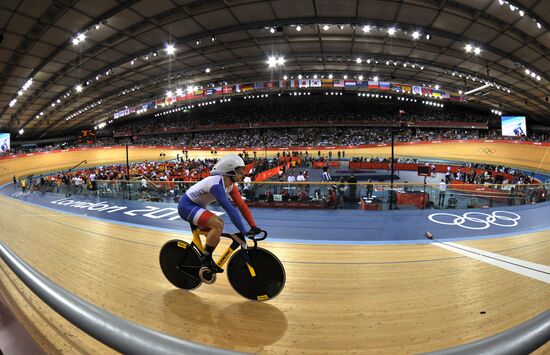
254 272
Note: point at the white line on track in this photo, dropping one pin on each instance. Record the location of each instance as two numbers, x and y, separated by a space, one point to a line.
535 271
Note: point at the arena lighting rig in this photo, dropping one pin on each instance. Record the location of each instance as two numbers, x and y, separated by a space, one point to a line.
476 89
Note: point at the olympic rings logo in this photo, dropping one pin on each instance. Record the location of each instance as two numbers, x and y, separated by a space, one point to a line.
505 218
487 151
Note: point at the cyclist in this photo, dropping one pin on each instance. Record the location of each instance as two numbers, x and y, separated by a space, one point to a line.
217 187
518 131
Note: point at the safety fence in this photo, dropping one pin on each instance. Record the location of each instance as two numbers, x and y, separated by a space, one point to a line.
319 195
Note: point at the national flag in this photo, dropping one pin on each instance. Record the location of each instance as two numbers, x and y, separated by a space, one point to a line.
160 102
395 87
455 96
315 83
269 84
349 83
445 94
227 89
304 83
338 83
293 83
209 92
436 93
384 85
417 90
247 87
406 88
362 84
326 83
426 92
259 85
199 93
373 85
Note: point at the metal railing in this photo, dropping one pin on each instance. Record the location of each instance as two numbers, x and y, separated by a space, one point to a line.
113 331
522 339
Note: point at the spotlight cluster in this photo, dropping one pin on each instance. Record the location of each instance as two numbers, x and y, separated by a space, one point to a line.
431 103
532 74
249 97
176 109
21 91
469 48
520 11
274 61
83 110
206 103
406 99
81 36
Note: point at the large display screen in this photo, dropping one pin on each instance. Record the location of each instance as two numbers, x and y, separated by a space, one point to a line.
513 126
4 142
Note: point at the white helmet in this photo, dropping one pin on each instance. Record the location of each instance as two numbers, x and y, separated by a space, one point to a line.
227 165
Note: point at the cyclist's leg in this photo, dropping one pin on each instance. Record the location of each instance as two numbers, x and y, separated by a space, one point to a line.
215 224
201 217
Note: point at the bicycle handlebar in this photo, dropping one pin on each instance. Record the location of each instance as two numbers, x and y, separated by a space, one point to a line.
260 238
253 237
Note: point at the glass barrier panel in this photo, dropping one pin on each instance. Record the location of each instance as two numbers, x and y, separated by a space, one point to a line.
374 196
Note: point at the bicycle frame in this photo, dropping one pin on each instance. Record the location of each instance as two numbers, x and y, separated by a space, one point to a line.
197 242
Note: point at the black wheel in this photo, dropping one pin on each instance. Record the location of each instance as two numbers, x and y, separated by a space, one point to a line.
270 274
180 264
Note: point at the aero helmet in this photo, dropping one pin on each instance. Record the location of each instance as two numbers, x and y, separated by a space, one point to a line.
227 165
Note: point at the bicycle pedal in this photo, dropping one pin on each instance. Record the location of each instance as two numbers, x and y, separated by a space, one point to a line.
207 276
212 266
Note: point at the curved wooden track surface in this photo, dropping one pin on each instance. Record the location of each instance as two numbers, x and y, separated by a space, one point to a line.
354 298
384 299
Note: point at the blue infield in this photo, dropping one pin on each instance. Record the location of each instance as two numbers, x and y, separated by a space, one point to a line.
316 226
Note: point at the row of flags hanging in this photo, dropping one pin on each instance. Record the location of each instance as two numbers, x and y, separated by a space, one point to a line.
296 84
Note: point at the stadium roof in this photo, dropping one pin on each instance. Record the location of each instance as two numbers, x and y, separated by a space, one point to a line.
117 50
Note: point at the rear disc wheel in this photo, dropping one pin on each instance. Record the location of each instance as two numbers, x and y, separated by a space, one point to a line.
180 264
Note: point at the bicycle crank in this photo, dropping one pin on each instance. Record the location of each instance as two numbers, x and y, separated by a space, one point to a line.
207 276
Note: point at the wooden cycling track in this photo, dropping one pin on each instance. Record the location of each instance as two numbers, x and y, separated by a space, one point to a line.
338 298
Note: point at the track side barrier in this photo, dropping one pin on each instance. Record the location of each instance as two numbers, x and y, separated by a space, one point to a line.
113 331
522 339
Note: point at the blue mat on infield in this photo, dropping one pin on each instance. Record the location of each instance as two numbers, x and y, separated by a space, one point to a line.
316 226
